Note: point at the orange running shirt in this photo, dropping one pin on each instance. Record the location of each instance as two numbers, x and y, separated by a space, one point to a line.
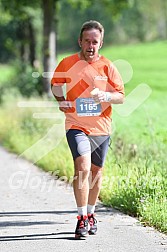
81 78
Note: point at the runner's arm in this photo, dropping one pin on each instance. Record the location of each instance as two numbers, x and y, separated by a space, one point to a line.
64 105
58 93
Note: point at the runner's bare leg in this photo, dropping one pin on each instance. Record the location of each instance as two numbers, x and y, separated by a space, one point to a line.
95 184
82 167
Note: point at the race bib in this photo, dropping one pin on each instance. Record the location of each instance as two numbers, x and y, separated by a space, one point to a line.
87 107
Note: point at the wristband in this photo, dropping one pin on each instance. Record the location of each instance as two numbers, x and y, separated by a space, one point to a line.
107 96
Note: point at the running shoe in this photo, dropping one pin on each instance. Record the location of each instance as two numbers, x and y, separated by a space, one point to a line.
93 224
82 227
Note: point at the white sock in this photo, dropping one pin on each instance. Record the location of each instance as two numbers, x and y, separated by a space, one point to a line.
82 210
91 209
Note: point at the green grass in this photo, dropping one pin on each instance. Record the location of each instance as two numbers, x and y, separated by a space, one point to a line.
135 174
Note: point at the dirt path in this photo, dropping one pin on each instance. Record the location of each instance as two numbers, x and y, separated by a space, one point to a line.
37 213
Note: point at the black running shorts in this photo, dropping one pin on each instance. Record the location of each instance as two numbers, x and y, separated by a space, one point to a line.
81 143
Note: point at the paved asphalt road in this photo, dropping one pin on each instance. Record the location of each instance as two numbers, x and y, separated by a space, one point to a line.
37 213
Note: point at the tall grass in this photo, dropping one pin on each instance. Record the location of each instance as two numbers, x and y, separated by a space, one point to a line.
135 174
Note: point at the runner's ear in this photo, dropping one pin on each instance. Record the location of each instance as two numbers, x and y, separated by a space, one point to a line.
101 43
79 42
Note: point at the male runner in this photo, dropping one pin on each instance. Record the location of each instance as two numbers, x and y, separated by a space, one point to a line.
92 85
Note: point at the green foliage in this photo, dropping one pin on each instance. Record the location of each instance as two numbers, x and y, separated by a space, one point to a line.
79 4
14 27
8 35
26 83
7 75
116 5
18 79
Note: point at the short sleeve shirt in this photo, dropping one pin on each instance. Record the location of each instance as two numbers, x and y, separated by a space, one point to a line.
81 78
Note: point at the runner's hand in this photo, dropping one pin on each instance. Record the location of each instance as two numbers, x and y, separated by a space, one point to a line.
65 106
102 96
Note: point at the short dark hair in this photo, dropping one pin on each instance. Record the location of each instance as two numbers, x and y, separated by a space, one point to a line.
92 24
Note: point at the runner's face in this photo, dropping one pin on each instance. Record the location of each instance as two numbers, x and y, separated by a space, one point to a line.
90 44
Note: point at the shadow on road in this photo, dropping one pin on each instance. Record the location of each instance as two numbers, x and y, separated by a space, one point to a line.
39 237
28 213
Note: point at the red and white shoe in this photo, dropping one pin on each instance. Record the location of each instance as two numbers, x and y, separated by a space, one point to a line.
93 224
82 227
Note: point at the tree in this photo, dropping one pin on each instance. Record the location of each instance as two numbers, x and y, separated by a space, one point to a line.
22 17
49 39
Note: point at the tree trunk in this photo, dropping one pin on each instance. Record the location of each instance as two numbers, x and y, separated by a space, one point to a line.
32 44
49 42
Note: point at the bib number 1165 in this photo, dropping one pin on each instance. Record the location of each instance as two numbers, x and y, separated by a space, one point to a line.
87 107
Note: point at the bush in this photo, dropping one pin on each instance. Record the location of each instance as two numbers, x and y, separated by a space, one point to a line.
26 84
